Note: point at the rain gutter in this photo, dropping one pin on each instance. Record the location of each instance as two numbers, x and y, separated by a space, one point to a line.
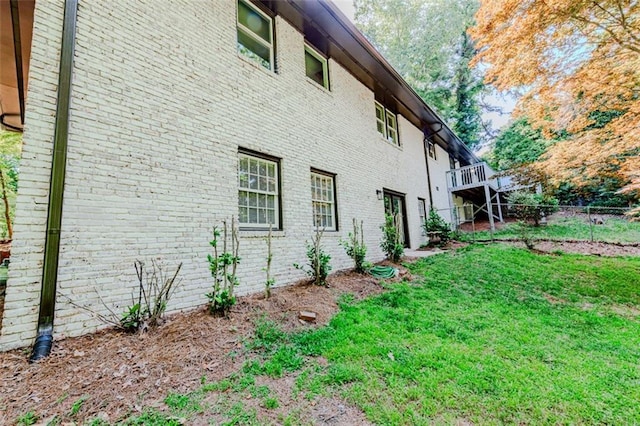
44 339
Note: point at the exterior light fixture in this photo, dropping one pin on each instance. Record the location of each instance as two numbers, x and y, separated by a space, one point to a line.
379 194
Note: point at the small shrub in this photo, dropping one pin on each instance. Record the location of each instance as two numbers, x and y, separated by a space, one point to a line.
391 242
527 206
436 225
355 247
223 267
155 288
318 260
525 233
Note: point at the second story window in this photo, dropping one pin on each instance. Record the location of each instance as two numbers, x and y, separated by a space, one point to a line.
387 124
255 34
432 150
316 66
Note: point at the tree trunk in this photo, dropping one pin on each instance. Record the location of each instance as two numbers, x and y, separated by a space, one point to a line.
5 199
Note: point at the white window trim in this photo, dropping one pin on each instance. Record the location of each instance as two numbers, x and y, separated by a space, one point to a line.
325 65
422 214
276 224
332 204
383 122
390 133
431 149
256 37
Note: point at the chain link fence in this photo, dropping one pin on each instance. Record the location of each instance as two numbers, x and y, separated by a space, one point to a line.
556 223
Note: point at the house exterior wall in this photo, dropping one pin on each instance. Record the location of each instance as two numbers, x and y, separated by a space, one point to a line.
25 274
161 102
439 190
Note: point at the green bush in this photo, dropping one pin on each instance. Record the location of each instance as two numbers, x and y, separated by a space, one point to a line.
436 225
530 207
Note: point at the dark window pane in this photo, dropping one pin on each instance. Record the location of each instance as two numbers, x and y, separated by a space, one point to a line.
254 21
254 49
315 68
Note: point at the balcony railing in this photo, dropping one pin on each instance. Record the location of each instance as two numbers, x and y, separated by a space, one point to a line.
472 176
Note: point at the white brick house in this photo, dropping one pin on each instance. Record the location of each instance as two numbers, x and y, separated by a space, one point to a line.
174 106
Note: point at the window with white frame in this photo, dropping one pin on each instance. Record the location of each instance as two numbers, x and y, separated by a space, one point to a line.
422 213
323 201
258 191
432 150
255 34
316 66
387 124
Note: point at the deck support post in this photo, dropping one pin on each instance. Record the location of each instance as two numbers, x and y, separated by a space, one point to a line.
452 215
499 207
487 194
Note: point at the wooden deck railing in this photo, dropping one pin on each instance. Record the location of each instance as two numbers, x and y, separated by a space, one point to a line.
471 176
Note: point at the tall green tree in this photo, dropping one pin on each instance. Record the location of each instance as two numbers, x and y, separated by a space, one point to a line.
10 150
517 144
467 120
426 42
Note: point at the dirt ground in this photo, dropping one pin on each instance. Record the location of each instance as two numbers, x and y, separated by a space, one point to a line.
586 247
118 374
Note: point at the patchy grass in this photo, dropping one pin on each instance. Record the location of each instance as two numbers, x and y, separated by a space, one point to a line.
613 230
486 335
478 339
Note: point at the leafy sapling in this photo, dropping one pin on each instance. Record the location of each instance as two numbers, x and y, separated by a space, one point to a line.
223 267
318 260
355 247
391 242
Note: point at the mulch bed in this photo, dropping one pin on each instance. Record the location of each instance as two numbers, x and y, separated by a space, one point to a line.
121 373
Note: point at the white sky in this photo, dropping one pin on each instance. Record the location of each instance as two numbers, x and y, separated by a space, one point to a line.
346 6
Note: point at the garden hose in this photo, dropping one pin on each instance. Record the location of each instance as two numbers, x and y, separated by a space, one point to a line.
383 272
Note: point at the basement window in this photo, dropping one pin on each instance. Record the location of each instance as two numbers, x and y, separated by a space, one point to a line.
422 213
316 66
323 200
258 191
255 34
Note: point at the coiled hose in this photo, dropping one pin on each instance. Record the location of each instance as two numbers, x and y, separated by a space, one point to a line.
383 272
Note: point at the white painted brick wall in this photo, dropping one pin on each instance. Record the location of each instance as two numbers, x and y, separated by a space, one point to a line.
439 191
25 274
161 103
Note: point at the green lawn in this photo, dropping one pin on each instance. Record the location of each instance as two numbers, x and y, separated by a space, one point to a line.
613 230
488 335
494 335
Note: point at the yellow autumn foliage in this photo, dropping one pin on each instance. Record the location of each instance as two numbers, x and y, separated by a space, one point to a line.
574 62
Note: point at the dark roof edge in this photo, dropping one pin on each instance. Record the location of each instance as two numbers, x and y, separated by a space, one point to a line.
373 70
351 28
